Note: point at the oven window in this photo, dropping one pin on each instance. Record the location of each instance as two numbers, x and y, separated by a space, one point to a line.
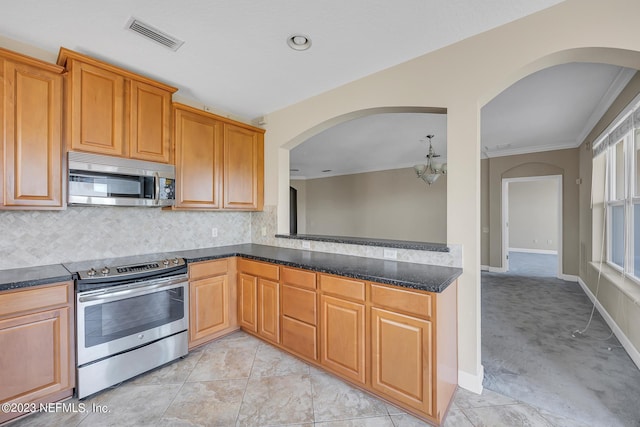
117 319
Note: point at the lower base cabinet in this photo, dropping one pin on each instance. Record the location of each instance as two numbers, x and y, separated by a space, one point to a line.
36 324
212 300
401 358
342 342
397 343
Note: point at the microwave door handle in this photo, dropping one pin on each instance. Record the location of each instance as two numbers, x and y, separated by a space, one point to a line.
156 180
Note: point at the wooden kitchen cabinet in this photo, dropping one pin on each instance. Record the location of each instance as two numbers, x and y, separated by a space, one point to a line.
243 168
299 315
150 127
31 176
342 327
269 309
248 302
401 362
397 343
212 300
198 145
37 363
116 112
259 298
219 162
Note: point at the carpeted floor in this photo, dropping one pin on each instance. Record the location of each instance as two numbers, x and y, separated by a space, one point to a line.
527 264
529 353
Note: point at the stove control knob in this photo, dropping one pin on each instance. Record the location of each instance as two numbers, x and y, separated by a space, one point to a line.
92 272
165 262
105 271
176 261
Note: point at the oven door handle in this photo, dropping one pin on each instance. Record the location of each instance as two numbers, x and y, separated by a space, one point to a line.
131 292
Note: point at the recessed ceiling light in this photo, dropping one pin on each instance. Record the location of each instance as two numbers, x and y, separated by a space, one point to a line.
299 42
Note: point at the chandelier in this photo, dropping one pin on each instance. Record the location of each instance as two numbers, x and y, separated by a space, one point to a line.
430 171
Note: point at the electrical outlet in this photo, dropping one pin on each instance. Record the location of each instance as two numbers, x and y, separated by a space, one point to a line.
264 231
390 253
549 241
214 232
306 245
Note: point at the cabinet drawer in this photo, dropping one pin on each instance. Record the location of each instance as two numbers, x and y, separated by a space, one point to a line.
260 269
297 277
299 304
300 338
341 286
203 269
403 300
35 298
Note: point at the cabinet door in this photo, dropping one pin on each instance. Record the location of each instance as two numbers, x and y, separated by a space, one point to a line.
150 126
38 363
209 307
33 137
247 302
342 337
243 168
198 141
269 310
401 359
97 110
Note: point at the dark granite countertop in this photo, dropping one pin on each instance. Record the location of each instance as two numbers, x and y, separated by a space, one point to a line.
32 276
400 244
425 277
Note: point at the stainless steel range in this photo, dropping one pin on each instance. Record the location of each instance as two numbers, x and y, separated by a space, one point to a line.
130 319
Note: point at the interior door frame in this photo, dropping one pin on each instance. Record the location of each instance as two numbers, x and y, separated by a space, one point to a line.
505 217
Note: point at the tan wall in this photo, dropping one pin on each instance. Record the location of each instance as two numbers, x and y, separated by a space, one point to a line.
560 162
391 204
618 303
533 215
462 78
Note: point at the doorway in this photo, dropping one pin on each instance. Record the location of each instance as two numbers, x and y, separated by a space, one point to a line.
532 225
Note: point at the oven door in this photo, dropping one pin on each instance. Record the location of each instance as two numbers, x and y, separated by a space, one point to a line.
119 318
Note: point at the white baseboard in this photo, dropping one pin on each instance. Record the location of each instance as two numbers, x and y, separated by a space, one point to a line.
534 251
471 382
624 340
484 268
568 277
497 269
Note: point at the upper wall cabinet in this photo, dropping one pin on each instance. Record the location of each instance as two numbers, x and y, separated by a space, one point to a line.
219 162
116 112
30 133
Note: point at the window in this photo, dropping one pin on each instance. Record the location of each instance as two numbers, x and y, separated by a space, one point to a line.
621 149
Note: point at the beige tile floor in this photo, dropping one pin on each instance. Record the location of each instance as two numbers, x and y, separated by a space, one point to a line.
242 381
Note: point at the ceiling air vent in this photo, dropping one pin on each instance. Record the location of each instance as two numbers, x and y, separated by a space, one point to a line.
152 33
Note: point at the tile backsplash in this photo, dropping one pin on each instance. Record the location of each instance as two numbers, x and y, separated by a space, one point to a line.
30 238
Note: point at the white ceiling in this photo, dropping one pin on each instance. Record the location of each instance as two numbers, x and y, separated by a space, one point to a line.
551 109
235 58
235 61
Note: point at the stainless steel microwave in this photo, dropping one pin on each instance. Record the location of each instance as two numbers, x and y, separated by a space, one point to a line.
113 181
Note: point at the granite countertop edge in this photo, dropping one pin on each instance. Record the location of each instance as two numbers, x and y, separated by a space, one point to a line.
387 243
425 277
